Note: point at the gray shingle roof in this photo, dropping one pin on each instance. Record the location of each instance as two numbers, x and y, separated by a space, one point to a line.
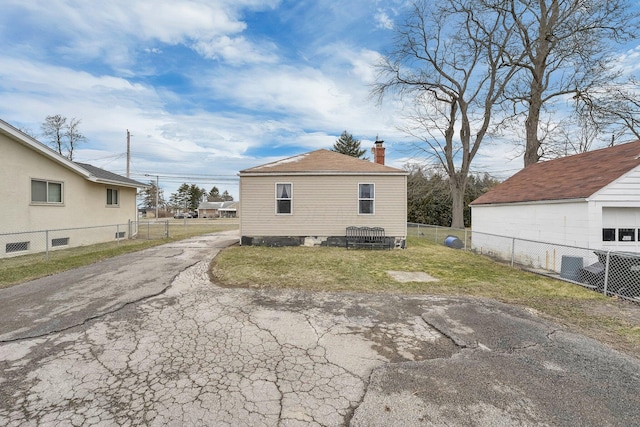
110 177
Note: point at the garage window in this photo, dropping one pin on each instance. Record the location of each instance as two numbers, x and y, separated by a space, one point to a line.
626 234
608 234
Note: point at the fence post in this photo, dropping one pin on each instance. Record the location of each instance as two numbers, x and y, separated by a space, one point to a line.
465 239
513 251
118 234
46 245
129 227
436 234
606 274
166 228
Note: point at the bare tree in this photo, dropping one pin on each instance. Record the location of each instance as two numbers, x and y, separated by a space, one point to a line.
613 109
53 129
63 135
568 48
447 61
73 136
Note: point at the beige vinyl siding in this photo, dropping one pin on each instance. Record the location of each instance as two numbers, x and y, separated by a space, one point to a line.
323 205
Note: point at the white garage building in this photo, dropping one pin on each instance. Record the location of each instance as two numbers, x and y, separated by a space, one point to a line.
589 200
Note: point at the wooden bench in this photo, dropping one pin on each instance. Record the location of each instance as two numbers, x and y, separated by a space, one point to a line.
367 237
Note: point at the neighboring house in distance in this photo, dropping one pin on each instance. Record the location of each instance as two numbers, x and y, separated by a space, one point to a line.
589 200
218 209
42 190
311 198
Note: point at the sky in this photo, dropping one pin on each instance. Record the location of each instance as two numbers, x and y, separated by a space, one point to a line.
206 88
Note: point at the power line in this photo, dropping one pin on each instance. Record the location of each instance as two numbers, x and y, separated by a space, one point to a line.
194 177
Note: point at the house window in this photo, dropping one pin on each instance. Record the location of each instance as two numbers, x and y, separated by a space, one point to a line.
46 191
626 234
112 197
284 197
16 247
365 199
120 234
608 234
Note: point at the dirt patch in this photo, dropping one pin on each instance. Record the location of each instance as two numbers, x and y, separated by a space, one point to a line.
411 276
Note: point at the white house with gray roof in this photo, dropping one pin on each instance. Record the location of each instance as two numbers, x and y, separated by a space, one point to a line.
42 190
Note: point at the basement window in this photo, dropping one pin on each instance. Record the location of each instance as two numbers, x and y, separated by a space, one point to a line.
60 241
16 247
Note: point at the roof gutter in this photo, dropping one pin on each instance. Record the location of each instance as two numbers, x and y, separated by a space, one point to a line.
532 202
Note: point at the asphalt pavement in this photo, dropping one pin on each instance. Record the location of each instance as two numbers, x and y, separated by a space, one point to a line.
147 339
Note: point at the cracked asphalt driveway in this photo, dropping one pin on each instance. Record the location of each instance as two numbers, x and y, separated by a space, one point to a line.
147 339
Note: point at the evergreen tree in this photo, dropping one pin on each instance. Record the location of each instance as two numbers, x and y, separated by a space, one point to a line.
226 197
148 196
346 144
214 195
196 195
180 198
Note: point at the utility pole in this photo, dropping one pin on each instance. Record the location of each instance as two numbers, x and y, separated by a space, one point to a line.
128 151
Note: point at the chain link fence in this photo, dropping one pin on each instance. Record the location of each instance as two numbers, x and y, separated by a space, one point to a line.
45 242
608 272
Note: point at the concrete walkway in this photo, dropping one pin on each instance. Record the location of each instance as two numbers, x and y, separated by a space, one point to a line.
146 339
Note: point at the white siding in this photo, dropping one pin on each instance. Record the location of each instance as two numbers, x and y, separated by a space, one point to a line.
625 189
322 205
573 223
616 206
561 223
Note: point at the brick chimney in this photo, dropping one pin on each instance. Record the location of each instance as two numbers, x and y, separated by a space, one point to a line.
378 152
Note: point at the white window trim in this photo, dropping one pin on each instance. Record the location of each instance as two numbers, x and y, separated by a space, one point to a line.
276 198
47 181
113 205
373 199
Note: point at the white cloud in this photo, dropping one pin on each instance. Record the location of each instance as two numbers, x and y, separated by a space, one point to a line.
111 30
383 20
235 50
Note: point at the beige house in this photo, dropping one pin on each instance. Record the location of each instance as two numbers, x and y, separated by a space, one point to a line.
311 198
42 190
225 209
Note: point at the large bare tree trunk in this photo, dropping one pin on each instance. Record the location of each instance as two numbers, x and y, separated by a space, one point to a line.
457 203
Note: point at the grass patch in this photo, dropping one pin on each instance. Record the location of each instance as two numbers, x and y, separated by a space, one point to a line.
460 273
33 266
